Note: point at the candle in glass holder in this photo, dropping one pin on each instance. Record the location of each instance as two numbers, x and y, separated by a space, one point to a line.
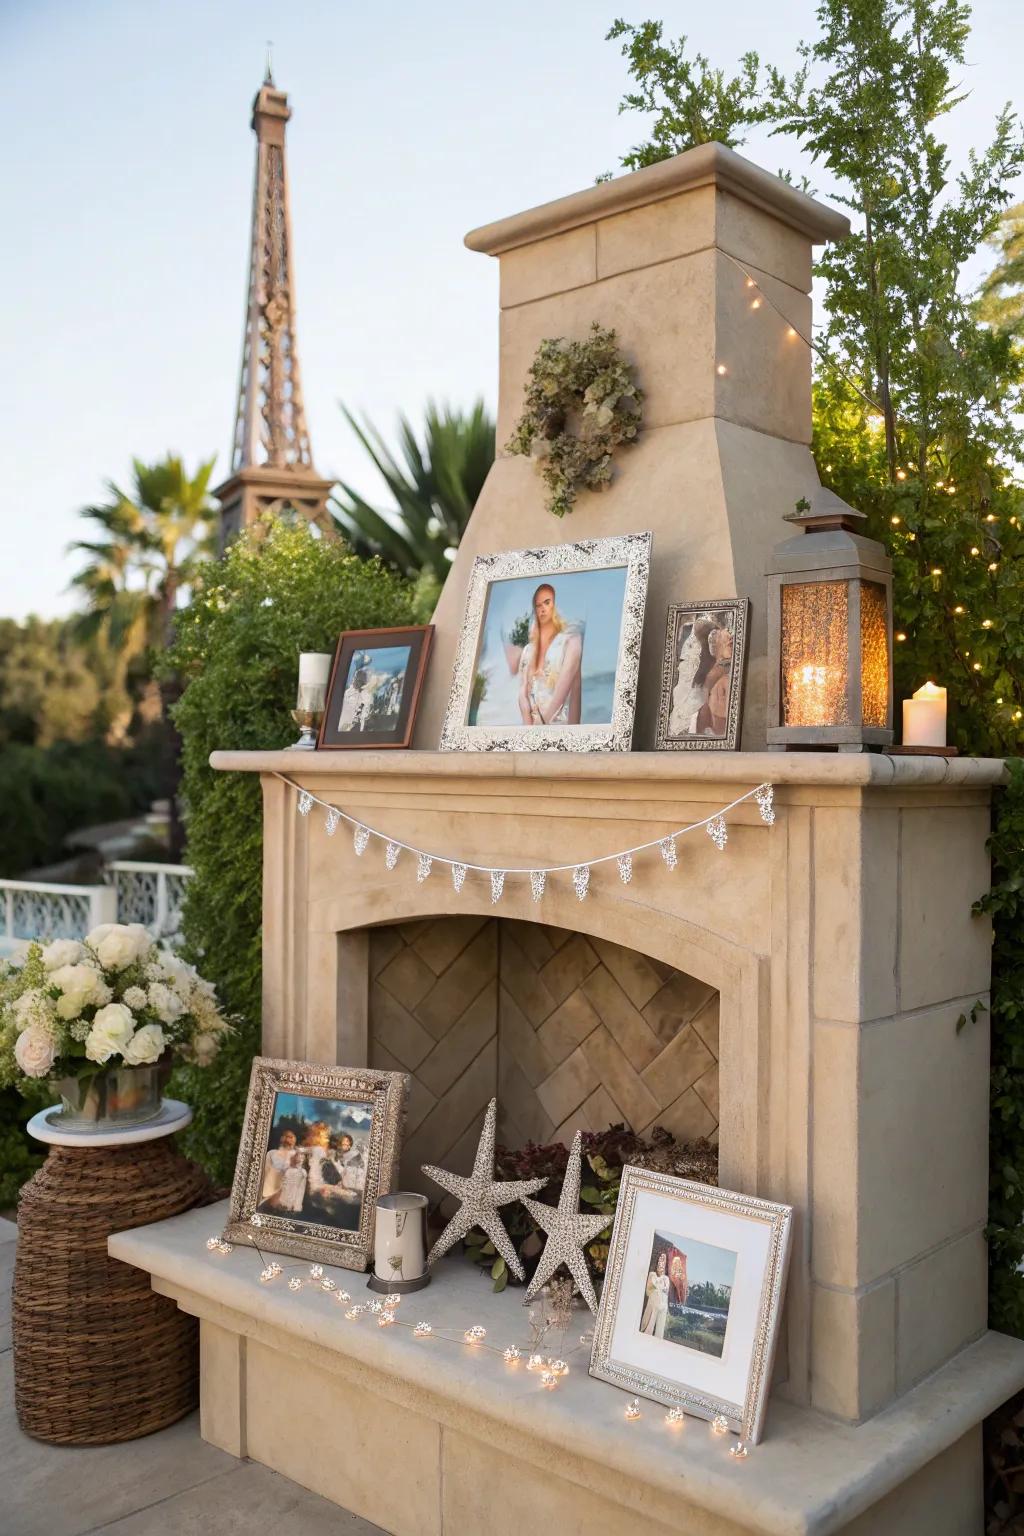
314 672
924 717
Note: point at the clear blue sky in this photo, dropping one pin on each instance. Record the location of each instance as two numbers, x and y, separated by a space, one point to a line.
130 166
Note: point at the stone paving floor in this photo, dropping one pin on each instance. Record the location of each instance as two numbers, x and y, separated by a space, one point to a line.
168 1484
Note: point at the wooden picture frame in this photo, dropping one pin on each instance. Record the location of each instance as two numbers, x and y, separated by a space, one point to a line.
297 1188
688 720
692 1297
380 710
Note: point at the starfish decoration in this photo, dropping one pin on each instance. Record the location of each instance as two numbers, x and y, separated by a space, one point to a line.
481 1194
568 1232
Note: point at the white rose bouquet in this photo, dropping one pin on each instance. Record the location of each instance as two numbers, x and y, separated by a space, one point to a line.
116 999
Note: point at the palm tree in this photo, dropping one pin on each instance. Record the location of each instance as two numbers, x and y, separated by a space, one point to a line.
433 492
146 552
147 549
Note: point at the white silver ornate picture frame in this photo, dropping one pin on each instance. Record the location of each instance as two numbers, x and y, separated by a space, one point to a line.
702 675
319 1144
692 1298
549 655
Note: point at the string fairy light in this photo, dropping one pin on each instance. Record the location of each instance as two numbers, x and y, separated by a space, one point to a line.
550 1370
580 870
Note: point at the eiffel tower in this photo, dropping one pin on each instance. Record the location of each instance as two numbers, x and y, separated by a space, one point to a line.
271 460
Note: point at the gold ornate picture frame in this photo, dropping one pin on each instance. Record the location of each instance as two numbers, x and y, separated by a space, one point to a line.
319 1145
692 1297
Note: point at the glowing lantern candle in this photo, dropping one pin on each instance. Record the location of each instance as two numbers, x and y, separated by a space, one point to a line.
830 633
924 718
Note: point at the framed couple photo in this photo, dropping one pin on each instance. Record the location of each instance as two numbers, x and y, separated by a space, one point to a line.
375 686
692 1297
702 675
549 655
319 1145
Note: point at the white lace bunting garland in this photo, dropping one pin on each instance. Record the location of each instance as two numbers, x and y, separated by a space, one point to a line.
580 874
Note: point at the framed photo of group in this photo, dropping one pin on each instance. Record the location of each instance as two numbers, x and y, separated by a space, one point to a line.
549 654
375 686
319 1145
692 1297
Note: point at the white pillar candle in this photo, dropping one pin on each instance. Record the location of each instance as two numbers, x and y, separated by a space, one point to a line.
400 1238
314 669
924 718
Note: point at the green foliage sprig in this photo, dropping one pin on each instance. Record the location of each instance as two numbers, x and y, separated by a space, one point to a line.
581 404
237 650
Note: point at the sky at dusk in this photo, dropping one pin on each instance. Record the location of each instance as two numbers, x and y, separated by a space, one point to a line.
130 168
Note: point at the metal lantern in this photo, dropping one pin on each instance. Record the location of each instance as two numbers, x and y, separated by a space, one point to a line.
830 632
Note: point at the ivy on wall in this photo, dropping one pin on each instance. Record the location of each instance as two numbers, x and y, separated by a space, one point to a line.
1005 904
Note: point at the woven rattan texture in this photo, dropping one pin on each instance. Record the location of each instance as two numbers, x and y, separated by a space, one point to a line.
98 1356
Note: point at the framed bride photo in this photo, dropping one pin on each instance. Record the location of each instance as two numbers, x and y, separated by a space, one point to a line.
549 654
702 676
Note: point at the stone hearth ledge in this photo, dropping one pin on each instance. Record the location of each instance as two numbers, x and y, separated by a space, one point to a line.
811 1476
869 770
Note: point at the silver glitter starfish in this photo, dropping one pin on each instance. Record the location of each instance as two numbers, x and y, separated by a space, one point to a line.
568 1232
481 1194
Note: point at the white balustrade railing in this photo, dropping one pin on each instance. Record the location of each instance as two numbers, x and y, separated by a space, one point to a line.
34 910
151 894
134 892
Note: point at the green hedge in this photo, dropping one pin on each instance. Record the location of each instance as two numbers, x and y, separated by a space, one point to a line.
279 591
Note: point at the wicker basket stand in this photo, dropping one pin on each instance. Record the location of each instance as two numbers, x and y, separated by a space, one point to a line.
98 1356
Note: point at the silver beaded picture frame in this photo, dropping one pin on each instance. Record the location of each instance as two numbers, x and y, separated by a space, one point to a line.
600 630
692 1298
297 1188
702 698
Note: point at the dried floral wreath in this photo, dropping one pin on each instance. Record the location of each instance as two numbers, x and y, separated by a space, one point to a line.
581 403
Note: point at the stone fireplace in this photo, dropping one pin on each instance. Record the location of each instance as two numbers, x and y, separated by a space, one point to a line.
794 997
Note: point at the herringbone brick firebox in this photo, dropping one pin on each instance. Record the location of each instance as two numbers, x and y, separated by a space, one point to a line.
567 1030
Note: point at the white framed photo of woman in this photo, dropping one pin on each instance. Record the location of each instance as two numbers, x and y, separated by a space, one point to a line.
702 676
692 1297
319 1145
549 654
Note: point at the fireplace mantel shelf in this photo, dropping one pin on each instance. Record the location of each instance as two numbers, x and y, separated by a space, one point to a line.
848 769
810 1476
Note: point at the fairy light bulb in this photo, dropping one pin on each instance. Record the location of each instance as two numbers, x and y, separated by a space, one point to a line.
994 565
512 1355
675 1417
475 1335
422 1331
986 623
719 1424
895 519
633 1409
936 570
975 550
900 635
901 474
721 370
977 666
755 303
959 608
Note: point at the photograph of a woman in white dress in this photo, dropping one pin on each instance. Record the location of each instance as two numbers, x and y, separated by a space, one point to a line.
549 651
550 682
707 645
687 1293
655 1311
